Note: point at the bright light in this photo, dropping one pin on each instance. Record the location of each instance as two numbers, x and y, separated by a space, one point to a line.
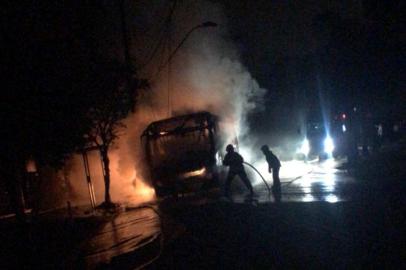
305 148
331 198
308 198
328 145
290 169
194 173
344 128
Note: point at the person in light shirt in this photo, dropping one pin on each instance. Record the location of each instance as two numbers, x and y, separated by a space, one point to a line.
274 166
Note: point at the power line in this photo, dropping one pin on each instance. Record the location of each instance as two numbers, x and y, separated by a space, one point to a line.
163 34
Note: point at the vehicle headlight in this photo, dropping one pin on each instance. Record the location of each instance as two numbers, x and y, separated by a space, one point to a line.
328 145
305 148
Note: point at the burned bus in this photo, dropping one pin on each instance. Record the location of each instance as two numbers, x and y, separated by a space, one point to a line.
182 153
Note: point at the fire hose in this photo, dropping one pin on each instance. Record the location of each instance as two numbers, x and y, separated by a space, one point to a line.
263 179
266 183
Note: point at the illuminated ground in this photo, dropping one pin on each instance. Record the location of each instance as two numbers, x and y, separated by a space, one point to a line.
326 219
309 182
321 220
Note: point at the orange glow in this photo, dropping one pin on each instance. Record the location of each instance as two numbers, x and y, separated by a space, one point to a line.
147 192
128 185
31 166
194 173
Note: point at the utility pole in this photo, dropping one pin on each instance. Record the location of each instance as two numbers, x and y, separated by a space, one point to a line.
126 42
169 33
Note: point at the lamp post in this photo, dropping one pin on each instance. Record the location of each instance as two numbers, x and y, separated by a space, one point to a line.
168 61
202 25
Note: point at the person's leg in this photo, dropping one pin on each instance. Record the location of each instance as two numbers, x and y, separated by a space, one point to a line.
247 182
275 175
230 177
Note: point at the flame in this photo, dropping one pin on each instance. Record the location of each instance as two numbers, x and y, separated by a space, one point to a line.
207 75
128 184
194 173
144 191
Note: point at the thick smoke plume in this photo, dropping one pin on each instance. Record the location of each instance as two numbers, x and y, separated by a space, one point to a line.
205 74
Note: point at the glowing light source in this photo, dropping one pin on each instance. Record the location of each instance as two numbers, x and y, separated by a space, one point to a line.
194 173
143 192
344 128
328 145
308 198
331 198
305 148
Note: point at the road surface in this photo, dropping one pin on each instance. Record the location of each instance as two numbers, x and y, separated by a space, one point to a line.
322 220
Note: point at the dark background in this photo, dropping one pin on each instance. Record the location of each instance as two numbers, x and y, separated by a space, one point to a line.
346 53
349 52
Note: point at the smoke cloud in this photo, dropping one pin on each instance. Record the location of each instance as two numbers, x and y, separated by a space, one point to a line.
205 74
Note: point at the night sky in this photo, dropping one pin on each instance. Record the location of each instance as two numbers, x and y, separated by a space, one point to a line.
351 50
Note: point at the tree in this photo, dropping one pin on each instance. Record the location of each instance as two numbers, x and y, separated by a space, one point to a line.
59 87
112 93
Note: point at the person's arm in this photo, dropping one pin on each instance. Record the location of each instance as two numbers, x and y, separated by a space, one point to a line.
269 163
241 158
226 161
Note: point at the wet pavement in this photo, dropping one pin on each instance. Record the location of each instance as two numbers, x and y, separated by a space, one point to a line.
137 236
308 182
125 234
325 219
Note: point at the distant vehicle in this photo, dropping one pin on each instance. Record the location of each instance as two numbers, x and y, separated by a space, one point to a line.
182 152
322 142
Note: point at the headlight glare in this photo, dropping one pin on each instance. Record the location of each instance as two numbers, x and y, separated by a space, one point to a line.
328 145
305 148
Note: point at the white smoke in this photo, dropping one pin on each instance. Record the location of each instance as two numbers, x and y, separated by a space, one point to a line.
205 74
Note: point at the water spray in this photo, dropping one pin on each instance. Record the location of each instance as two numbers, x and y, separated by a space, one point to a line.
263 179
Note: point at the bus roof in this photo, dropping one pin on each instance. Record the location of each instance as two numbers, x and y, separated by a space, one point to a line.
176 122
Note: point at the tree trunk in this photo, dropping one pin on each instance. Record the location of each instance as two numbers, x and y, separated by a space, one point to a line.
106 165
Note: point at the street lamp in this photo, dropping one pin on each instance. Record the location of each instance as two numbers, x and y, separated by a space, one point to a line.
202 25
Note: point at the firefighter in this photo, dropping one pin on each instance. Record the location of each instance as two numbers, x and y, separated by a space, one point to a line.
273 167
235 162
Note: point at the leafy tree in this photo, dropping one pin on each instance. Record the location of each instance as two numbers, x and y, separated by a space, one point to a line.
59 87
112 93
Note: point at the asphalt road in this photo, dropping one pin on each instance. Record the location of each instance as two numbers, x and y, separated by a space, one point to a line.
324 218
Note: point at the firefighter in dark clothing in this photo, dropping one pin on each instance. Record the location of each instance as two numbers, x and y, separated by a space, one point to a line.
235 162
273 166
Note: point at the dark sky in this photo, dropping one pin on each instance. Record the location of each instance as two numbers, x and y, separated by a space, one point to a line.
350 49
